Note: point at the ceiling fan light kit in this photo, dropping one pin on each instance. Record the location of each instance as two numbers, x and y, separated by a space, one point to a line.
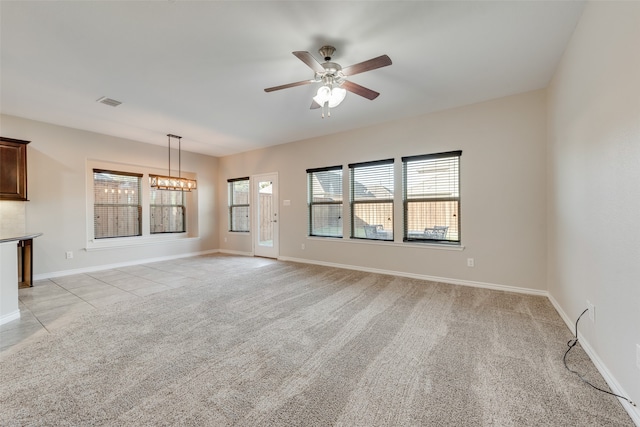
334 78
330 96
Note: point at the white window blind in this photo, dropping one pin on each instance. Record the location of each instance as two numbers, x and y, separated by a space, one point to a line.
167 211
116 208
239 208
325 201
372 200
431 199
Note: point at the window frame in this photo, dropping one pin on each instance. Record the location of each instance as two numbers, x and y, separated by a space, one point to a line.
164 206
376 235
192 210
432 237
232 205
137 206
311 203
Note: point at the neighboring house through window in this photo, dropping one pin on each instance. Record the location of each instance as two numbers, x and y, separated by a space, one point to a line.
372 200
431 197
325 201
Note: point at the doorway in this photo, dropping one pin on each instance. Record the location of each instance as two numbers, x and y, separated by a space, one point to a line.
266 220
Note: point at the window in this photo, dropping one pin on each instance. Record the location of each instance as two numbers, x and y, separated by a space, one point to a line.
325 201
117 209
372 200
167 211
239 218
431 197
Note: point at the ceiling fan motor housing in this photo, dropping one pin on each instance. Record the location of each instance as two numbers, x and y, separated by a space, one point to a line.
332 74
331 67
327 52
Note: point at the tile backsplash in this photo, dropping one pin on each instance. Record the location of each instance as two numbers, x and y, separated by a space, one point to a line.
12 218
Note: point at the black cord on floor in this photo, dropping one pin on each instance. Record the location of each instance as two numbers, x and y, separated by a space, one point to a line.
572 344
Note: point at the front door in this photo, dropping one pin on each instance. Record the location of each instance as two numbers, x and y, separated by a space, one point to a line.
266 220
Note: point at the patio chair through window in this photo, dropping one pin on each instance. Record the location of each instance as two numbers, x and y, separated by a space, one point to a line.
371 231
438 232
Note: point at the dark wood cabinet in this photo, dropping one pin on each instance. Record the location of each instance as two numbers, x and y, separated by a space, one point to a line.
13 169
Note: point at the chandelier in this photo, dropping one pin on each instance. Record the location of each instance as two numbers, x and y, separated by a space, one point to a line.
172 182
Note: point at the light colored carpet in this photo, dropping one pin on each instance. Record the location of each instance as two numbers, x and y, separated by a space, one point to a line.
299 345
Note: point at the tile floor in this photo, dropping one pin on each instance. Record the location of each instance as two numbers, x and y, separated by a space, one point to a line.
52 303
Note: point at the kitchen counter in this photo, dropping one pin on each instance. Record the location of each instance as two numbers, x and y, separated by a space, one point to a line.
9 271
16 238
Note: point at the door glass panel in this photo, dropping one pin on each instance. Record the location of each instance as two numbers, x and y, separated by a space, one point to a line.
266 216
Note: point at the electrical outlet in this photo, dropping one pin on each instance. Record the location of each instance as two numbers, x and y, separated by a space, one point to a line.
638 355
225 240
68 255
471 262
302 246
592 311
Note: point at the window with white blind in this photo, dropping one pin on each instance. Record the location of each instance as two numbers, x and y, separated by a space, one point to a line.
117 209
325 201
167 211
431 197
372 200
239 208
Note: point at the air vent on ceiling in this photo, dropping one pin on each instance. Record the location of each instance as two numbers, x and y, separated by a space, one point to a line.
108 101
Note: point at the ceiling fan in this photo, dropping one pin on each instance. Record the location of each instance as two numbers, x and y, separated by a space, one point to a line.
334 78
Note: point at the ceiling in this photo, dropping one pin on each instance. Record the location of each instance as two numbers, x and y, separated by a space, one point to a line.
198 68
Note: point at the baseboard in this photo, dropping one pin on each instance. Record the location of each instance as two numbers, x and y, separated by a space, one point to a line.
10 317
633 411
470 283
119 265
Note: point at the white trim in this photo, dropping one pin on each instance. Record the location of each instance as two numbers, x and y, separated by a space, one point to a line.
119 264
615 387
473 284
10 317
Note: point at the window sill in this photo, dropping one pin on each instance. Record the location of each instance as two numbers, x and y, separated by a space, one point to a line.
399 244
126 242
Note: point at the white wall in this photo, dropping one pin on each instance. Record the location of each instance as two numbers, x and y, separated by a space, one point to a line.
594 185
503 186
57 190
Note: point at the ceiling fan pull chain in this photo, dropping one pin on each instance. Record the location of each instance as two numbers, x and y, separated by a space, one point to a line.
326 106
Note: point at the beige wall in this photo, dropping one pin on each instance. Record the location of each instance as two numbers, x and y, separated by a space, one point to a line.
594 186
502 192
57 190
